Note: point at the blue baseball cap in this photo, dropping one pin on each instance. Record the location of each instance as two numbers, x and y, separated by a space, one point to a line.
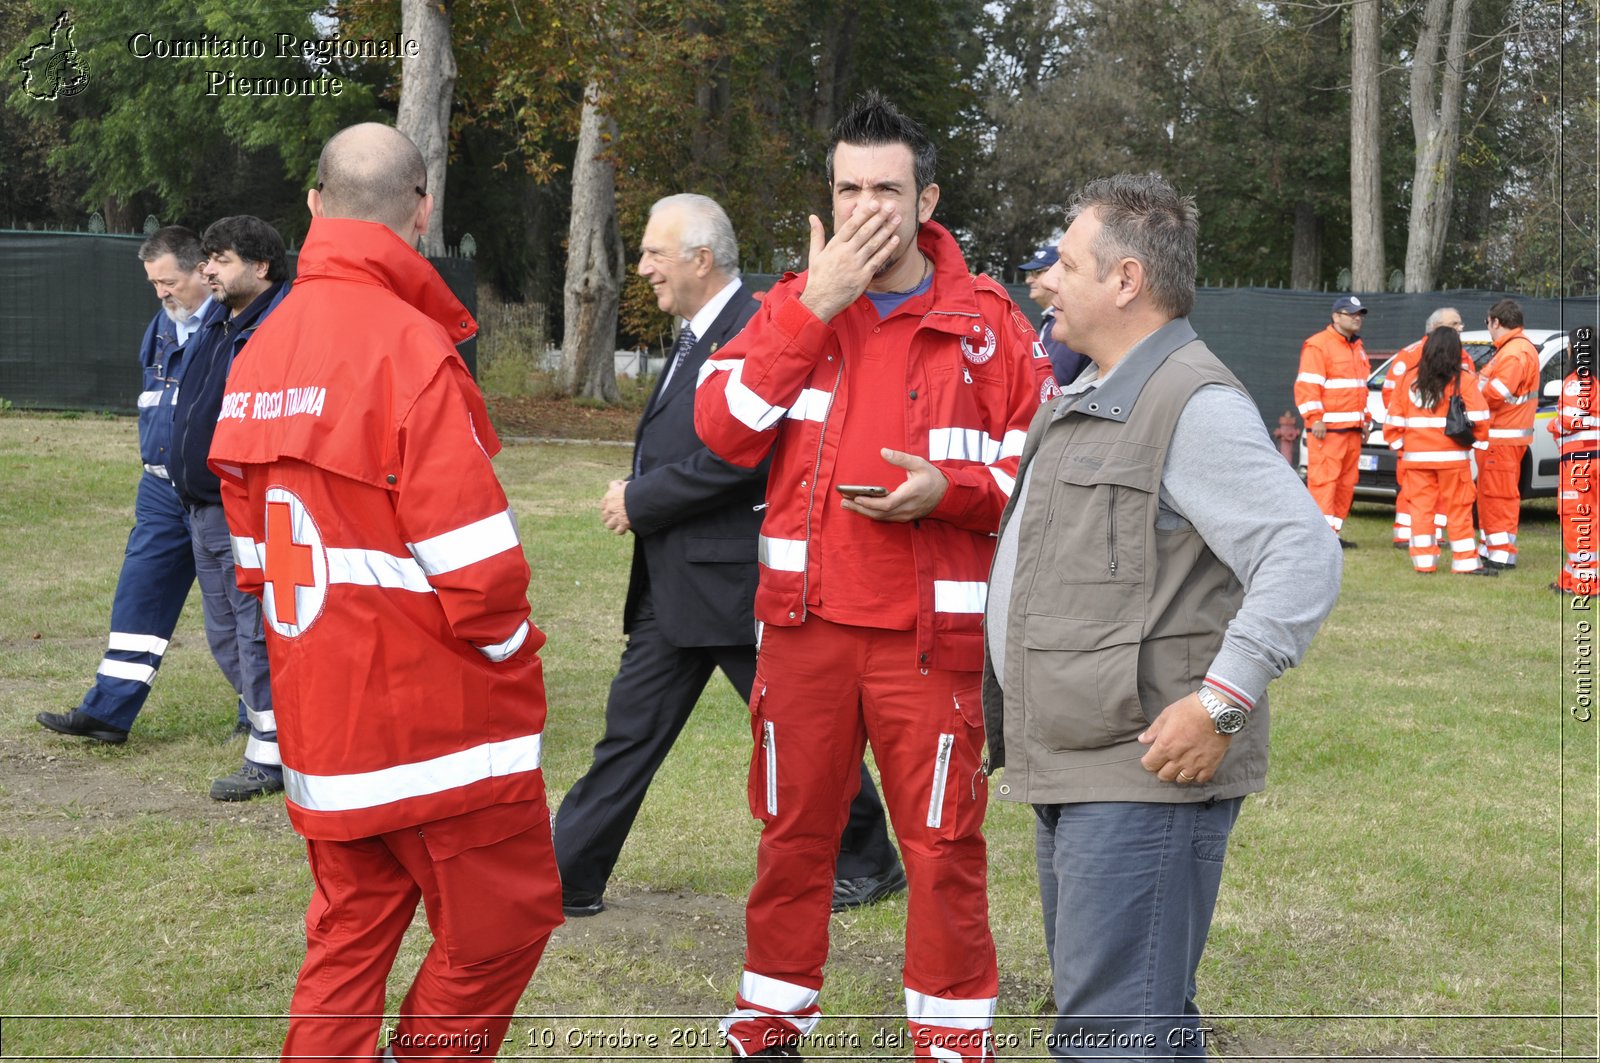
1043 258
1348 304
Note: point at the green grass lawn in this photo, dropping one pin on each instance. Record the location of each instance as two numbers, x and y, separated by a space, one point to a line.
1418 880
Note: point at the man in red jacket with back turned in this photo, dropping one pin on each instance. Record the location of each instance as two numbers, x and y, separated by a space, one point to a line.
354 453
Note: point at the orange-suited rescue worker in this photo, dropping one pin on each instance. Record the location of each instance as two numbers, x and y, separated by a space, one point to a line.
1436 464
1510 385
886 364
354 453
1576 427
1406 359
1331 394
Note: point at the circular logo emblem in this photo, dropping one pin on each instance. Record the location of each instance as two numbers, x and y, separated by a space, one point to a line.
1049 390
982 354
295 565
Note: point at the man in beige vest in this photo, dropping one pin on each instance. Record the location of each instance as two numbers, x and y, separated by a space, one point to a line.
1158 565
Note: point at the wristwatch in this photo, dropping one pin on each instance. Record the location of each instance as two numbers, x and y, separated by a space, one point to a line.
1229 719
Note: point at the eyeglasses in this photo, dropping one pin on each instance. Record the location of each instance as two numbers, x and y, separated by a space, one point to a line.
418 189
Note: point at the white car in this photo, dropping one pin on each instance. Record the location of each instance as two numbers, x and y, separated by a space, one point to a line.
1540 466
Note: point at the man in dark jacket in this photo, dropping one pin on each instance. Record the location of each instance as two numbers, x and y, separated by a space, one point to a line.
691 591
247 268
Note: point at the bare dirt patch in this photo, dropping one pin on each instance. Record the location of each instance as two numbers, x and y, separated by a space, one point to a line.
549 418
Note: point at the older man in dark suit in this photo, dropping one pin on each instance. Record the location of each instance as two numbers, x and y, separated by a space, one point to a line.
691 592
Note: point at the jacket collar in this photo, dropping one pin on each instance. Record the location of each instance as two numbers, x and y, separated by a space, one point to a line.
1505 338
369 253
1114 399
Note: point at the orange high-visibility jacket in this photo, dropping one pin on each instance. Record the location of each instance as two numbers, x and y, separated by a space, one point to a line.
1332 384
1510 384
1417 431
1576 424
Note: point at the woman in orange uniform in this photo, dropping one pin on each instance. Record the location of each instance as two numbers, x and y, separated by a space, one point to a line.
1436 466
1576 427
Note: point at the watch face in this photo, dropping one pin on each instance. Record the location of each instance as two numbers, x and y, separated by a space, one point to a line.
1230 721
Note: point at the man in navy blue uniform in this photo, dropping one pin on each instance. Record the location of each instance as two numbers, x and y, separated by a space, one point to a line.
158 565
1065 363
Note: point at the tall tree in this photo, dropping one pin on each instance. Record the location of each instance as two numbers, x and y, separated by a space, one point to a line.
427 87
1436 94
1366 144
594 261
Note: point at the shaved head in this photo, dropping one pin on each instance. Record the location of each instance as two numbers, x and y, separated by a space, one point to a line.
371 172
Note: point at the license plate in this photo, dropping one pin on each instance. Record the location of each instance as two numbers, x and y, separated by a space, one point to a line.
1367 463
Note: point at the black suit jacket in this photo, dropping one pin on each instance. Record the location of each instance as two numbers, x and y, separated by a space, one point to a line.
695 517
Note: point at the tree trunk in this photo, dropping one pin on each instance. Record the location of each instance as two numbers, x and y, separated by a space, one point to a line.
1436 127
427 85
1305 270
594 262
1366 191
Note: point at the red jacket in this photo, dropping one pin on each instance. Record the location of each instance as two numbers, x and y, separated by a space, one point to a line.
1510 384
975 376
1576 425
354 454
1332 384
1417 431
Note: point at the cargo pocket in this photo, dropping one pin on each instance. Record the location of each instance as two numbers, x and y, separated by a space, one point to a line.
1082 682
1099 510
503 852
958 792
763 785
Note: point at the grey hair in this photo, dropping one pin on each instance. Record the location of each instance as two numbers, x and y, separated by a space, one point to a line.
175 240
705 224
1436 318
1142 217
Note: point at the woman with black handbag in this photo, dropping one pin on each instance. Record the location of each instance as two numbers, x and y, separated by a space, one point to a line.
1436 419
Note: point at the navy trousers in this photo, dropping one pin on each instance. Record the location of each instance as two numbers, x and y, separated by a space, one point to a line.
157 572
1128 889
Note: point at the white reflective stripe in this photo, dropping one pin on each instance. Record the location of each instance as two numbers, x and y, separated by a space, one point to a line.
1394 420
1498 539
1307 407
130 643
1424 562
812 405
232 470
1500 386
1346 382
148 399
941 774
1510 433
1458 546
1007 483
1402 520
959 596
1499 557
158 470
1422 542
1477 415
1424 422
262 752
962 444
1347 417
782 555
1520 400
467 545
139 673
1336 523
774 995
374 568
369 789
1464 564
1310 378
1435 457
974 1014
748 408
1590 435
247 553
262 721
769 745
803 1024
1577 413
501 650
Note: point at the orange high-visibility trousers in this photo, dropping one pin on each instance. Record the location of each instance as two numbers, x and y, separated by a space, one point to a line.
1435 488
1579 500
1500 501
1331 471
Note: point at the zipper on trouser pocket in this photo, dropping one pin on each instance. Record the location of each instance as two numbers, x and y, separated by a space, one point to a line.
941 771
769 745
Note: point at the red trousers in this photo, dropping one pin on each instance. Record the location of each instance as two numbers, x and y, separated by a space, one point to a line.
1500 500
822 690
488 882
1579 506
1331 471
1431 489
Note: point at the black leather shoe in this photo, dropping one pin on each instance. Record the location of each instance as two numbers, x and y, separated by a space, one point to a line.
82 725
869 889
249 781
1483 571
241 729
1346 544
579 905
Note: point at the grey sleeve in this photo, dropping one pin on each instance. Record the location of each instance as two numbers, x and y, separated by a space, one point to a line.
1224 476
